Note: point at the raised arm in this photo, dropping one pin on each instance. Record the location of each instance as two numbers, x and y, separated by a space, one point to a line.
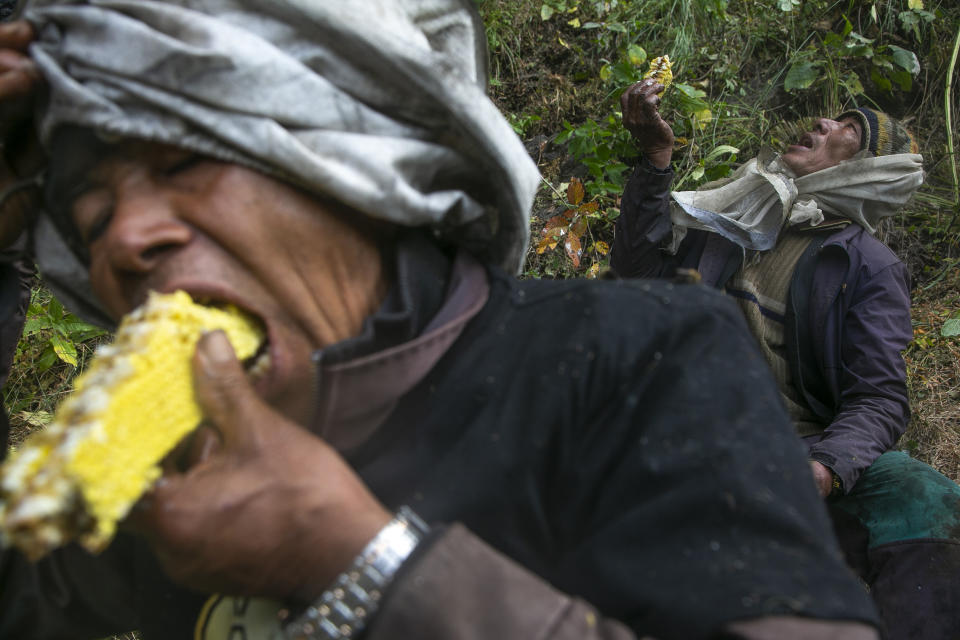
644 220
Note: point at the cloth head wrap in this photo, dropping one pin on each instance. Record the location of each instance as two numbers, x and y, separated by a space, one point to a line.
379 104
751 207
881 134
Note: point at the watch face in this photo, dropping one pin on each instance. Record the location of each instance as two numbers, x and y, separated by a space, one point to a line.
229 618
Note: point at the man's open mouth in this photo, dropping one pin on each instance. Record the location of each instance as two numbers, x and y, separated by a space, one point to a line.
258 364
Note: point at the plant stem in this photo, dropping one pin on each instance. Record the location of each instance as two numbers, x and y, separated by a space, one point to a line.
948 108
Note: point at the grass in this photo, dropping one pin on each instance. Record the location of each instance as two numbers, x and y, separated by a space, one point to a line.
933 365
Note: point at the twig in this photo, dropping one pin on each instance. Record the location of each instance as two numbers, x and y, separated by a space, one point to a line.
554 189
948 108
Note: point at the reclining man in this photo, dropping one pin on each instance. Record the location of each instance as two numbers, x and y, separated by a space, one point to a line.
337 170
790 237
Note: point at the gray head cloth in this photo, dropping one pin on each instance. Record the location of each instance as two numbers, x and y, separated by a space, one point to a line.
379 104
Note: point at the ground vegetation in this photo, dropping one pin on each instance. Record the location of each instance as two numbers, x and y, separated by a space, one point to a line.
747 73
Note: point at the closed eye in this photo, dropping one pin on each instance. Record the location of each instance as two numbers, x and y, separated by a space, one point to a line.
91 213
94 231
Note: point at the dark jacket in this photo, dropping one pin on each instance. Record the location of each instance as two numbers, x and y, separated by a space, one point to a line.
594 503
850 309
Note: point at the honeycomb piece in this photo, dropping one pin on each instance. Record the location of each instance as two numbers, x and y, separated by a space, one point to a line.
661 70
81 475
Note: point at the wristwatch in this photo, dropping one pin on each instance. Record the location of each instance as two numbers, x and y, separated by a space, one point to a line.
343 610
836 486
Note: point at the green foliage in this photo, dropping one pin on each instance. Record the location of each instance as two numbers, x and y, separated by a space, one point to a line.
600 145
843 60
951 328
522 123
54 346
54 331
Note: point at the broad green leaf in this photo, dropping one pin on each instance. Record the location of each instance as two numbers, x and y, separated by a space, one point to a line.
903 79
859 50
605 73
718 171
801 75
720 150
703 117
847 27
882 62
33 325
575 23
853 84
46 360
906 59
915 5
636 54
882 82
950 328
71 325
689 91
64 349
546 12
55 309
856 37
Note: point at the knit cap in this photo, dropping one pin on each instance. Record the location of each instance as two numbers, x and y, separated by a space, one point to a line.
882 135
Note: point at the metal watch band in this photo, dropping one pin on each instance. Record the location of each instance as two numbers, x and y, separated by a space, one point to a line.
342 611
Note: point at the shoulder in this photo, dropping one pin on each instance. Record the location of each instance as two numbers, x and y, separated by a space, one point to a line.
623 315
867 254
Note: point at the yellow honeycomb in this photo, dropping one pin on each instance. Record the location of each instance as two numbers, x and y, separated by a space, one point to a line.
661 70
81 475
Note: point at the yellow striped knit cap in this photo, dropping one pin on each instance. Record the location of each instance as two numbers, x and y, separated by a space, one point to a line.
882 135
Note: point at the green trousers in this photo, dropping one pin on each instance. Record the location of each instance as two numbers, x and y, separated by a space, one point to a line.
900 529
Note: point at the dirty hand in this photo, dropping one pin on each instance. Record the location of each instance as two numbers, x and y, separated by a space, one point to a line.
20 82
823 478
641 116
265 507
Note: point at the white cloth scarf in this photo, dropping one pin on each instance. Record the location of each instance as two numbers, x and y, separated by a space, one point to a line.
379 104
752 206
